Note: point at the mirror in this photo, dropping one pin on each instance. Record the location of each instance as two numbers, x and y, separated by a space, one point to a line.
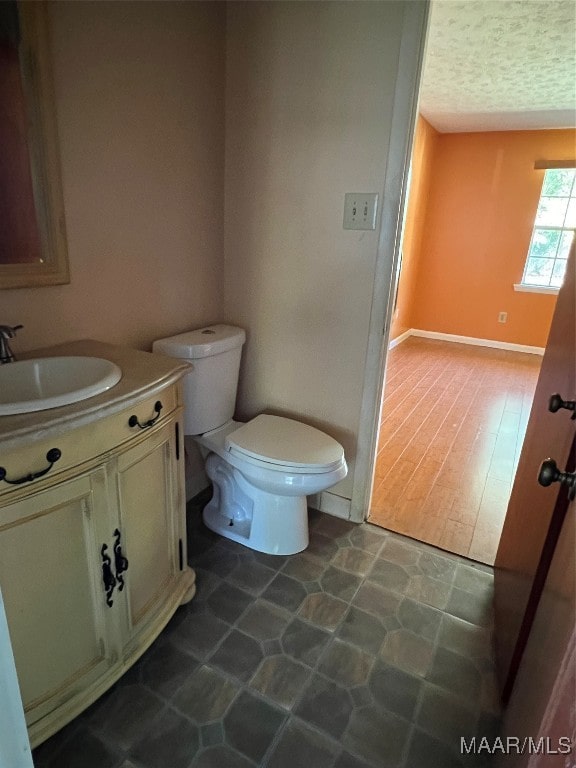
33 249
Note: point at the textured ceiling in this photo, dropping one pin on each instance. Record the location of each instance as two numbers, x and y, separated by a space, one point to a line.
500 65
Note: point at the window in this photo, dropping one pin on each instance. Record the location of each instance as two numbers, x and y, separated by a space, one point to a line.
553 230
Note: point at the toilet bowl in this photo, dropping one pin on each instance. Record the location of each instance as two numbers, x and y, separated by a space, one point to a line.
261 470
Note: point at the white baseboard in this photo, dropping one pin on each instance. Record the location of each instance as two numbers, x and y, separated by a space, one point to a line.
469 340
331 504
399 339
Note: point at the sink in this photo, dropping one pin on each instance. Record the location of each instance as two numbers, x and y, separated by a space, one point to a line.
49 382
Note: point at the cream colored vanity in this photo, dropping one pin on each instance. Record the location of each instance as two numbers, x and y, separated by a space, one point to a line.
93 551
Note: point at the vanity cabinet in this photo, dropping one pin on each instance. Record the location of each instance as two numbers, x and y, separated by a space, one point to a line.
152 537
51 582
93 552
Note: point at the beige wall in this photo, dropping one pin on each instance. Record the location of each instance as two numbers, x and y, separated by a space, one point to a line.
140 108
309 90
145 108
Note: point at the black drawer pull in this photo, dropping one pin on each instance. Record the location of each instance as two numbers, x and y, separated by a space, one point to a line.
51 457
133 420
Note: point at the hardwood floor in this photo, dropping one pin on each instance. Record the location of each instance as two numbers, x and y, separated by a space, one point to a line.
452 425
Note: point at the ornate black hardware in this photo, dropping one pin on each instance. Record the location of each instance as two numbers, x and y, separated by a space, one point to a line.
133 420
52 457
556 403
107 575
549 473
120 562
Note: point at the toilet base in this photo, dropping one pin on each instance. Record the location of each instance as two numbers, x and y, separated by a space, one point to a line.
266 522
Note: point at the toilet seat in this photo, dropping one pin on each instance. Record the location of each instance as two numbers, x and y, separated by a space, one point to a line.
283 444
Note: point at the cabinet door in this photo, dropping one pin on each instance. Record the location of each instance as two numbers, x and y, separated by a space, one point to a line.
51 579
151 508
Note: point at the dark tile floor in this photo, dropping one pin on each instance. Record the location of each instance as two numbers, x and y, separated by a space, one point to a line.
367 650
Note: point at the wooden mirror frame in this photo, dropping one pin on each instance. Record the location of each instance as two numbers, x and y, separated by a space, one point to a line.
37 82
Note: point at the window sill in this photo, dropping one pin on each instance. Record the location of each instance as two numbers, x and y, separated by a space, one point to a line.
536 289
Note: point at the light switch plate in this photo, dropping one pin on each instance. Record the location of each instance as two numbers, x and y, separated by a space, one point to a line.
360 210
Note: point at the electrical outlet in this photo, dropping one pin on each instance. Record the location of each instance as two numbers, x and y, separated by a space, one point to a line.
502 317
360 210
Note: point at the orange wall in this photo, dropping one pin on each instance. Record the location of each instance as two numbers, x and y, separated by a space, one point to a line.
480 211
425 139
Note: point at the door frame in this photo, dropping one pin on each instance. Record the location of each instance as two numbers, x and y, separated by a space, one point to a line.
386 271
14 743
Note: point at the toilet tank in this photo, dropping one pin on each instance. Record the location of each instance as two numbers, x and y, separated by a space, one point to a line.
210 387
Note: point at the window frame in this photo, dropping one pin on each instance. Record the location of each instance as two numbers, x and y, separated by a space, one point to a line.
543 288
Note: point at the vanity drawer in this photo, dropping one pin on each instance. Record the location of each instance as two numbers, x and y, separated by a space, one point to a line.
46 458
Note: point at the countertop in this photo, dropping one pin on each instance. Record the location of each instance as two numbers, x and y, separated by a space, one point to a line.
143 374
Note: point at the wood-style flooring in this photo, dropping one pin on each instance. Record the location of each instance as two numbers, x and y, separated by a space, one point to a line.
452 425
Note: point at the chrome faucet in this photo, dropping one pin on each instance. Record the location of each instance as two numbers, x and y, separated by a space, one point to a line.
7 332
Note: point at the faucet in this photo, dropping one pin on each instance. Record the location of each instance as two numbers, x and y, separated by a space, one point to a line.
7 332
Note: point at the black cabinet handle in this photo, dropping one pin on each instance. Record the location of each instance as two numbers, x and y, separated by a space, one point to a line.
133 420
556 403
549 473
51 457
111 581
120 562
107 575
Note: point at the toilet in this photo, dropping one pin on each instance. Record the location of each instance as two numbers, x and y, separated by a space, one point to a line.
261 470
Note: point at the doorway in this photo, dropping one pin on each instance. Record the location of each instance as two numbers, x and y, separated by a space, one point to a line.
489 226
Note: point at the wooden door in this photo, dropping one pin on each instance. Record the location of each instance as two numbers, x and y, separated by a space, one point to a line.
533 509
542 701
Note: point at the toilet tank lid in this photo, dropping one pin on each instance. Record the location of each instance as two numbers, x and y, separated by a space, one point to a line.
203 342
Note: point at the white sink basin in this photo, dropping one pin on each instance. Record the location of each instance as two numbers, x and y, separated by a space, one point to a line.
49 382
